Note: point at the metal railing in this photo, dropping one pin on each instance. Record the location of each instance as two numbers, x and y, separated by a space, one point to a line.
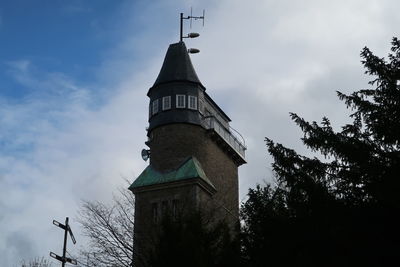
210 122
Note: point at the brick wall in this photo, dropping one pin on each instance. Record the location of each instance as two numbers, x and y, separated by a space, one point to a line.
170 146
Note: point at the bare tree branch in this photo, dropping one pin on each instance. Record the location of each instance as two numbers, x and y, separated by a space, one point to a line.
110 231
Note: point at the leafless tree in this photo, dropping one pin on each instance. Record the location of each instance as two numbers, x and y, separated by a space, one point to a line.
110 231
36 262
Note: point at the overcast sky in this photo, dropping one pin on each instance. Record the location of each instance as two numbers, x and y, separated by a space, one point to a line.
74 77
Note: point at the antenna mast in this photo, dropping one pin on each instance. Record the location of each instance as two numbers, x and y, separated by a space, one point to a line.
67 229
191 17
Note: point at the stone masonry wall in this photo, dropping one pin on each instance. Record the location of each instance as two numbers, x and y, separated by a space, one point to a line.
145 227
172 144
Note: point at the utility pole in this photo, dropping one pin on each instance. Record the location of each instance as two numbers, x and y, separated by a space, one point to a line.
67 229
65 241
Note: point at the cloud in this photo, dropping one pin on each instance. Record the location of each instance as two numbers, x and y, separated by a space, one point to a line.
20 244
269 58
57 148
66 141
76 8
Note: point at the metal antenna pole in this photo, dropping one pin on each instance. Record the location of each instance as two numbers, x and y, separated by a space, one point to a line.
181 35
191 17
65 242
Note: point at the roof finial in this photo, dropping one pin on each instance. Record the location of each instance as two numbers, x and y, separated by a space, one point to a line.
192 34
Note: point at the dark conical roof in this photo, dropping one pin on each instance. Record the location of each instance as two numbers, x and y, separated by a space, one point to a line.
177 66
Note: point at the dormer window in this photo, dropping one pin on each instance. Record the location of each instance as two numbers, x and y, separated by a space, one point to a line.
166 102
193 102
180 101
155 106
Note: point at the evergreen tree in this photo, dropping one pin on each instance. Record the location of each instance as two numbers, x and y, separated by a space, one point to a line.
340 211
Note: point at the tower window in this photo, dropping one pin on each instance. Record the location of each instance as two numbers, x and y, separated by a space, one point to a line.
192 102
154 211
166 102
180 101
164 207
150 109
201 106
175 207
155 106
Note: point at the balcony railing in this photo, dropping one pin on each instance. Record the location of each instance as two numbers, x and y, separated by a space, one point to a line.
233 140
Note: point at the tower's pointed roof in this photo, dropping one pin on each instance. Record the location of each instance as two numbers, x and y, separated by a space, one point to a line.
177 66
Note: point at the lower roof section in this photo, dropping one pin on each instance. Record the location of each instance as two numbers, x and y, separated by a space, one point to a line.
190 169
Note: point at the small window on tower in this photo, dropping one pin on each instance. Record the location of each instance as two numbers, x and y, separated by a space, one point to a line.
175 208
201 106
154 211
192 102
164 208
155 106
180 101
166 102
150 109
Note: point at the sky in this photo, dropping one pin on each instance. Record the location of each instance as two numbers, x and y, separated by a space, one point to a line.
74 77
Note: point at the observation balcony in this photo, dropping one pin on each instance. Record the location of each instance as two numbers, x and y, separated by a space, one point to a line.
232 138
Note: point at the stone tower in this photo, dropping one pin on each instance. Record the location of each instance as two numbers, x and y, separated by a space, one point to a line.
194 154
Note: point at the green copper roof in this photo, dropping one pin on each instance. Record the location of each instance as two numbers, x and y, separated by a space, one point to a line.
188 170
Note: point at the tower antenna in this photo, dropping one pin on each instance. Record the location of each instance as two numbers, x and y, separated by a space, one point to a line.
191 17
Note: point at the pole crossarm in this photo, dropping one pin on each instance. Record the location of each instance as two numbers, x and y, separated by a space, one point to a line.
67 229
